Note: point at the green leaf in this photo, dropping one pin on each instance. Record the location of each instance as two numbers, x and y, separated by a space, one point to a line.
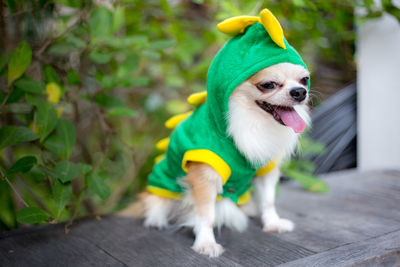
12 135
61 49
137 81
23 165
100 57
46 120
35 100
62 194
63 141
100 22
98 186
29 85
19 61
73 78
66 171
151 55
308 181
122 112
118 18
85 168
15 95
31 215
162 44
108 100
50 75
11 5
3 60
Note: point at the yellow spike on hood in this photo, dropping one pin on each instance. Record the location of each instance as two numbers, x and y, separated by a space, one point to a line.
237 24
273 27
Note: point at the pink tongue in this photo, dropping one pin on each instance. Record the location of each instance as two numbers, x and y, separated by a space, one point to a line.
292 119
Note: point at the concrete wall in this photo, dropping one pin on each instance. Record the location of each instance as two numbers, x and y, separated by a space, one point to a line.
378 57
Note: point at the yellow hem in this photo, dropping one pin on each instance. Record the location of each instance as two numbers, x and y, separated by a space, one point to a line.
243 199
210 158
163 192
266 168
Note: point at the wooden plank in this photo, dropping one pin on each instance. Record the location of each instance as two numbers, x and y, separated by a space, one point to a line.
372 252
133 244
46 248
343 216
360 207
127 240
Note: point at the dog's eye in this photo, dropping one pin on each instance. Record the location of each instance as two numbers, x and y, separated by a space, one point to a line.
304 80
267 86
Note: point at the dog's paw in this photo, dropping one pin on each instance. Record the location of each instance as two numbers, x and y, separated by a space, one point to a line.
159 223
210 249
278 225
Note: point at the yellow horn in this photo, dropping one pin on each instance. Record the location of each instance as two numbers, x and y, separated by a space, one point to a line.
235 25
272 26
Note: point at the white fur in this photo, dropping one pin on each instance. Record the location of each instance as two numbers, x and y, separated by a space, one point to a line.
256 134
229 214
157 211
265 187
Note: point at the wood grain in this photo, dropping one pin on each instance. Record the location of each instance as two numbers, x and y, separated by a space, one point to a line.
357 223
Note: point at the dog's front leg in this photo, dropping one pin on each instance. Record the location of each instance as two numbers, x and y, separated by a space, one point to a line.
265 187
205 183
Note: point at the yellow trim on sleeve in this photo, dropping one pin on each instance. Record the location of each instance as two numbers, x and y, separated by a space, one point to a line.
235 25
197 99
175 120
162 145
163 192
273 27
210 158
267 168
159 158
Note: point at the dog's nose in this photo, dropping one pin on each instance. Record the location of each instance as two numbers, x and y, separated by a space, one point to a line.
298 93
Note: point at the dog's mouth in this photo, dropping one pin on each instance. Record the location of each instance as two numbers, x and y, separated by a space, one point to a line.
286 116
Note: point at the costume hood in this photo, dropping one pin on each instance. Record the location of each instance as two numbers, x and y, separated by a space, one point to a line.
258 43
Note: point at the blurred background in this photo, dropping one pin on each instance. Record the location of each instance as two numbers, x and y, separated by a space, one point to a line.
86 86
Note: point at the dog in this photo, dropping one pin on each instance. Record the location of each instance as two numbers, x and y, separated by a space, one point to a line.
262 120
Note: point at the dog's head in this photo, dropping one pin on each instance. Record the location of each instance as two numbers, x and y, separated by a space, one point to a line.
278 91
268 110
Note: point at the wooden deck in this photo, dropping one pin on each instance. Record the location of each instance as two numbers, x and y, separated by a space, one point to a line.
358 223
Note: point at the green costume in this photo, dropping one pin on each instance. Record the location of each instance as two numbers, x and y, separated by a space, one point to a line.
202 136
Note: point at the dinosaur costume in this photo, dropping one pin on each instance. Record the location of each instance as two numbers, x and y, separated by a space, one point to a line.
201 135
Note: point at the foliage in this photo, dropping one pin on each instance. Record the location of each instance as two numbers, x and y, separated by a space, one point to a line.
87 85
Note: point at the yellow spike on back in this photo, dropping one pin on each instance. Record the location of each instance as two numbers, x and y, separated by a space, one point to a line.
272 26
197 99
175 120
237 24
159 158
162 145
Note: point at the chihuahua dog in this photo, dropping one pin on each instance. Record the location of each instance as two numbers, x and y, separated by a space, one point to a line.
266 113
